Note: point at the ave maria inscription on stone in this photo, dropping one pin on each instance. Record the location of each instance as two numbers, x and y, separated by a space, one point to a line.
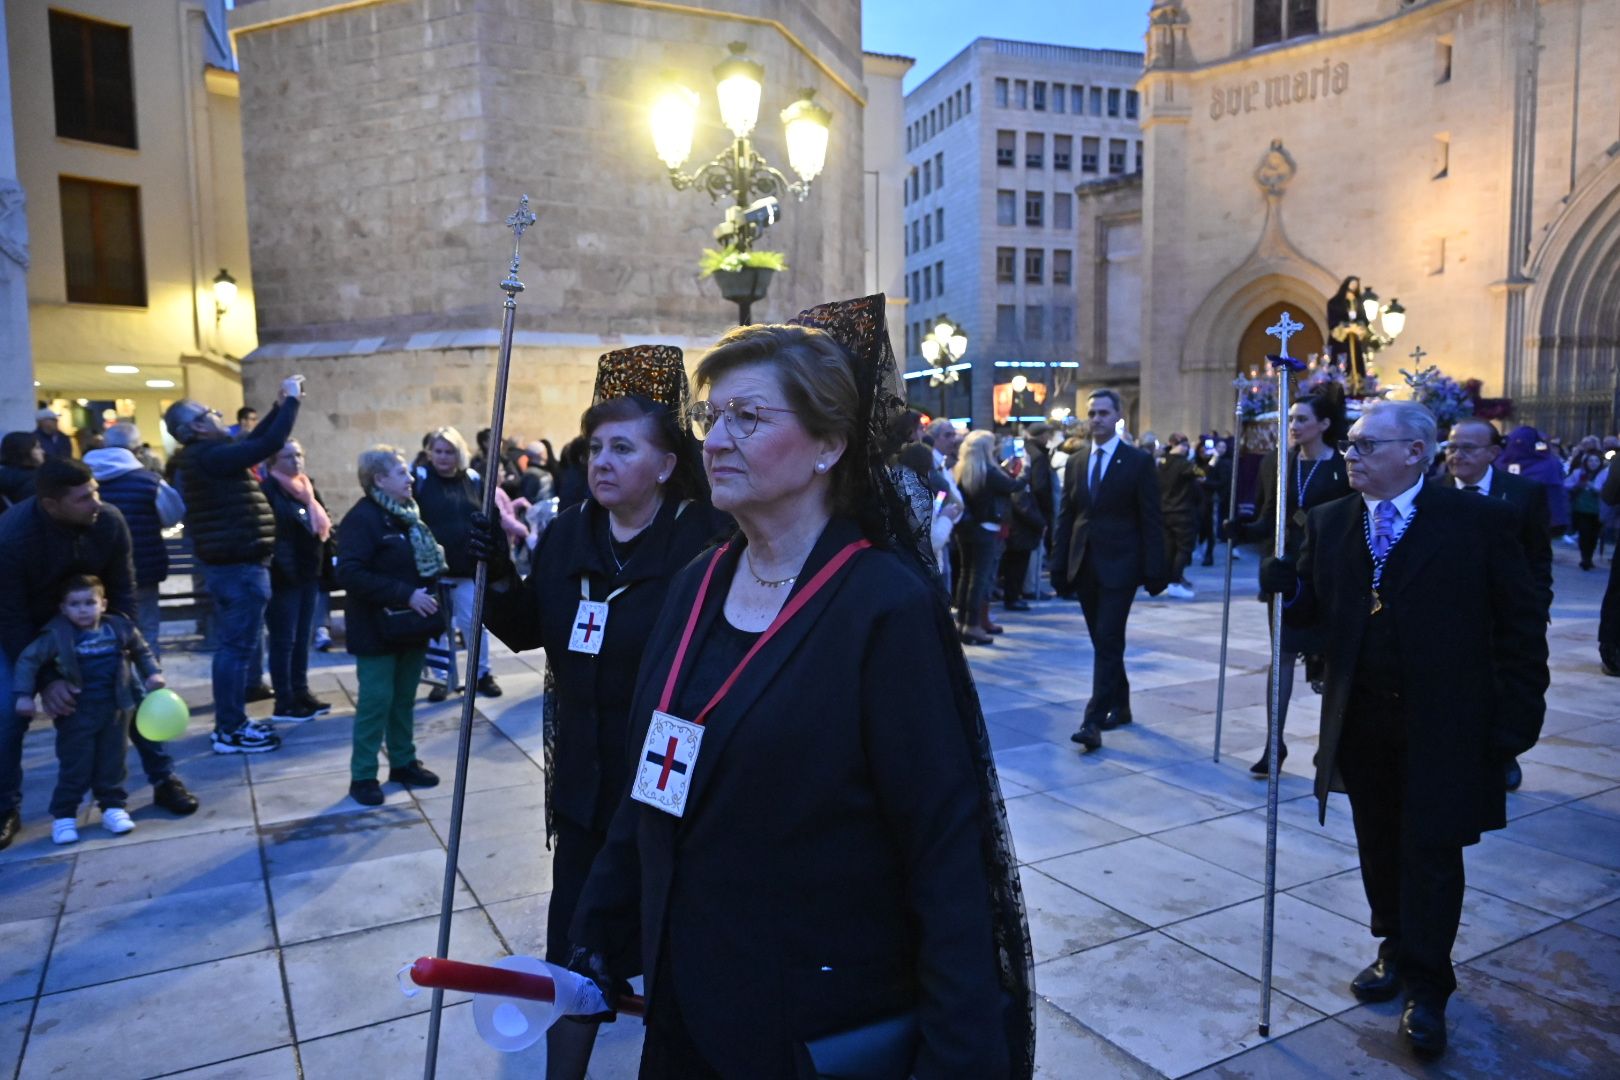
1325 80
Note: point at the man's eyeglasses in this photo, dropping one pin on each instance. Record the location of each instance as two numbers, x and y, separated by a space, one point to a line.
1364 447
742 418
1466 448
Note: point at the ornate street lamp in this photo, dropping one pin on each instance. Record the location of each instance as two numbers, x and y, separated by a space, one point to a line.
1370 327
943 348
224 294
739 172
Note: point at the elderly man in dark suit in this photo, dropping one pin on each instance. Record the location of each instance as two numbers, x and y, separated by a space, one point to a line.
1470 453
1108 543
1406 579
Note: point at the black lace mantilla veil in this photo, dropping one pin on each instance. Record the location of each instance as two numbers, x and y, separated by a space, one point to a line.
896 514
656 372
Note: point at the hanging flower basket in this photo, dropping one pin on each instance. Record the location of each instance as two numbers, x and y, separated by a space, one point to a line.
744 286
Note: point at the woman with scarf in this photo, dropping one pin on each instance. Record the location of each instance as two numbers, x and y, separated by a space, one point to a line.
1528 455
600 574
388 562
812 842
302 529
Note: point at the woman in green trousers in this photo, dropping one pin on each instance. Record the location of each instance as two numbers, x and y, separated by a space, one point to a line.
387 564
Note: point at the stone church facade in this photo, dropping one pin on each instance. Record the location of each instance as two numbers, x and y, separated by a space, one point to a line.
387 140
1460 155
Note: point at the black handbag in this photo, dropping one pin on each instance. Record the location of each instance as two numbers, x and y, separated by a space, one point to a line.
403 626
883 1050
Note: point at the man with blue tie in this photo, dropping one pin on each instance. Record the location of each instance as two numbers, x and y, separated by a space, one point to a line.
1109 542
1407 579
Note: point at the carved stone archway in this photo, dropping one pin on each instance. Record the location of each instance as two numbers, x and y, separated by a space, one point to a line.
1570 383
1275 272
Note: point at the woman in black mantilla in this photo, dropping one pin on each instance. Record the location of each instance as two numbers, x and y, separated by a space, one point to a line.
814 842
1347 329
1316 475
601 571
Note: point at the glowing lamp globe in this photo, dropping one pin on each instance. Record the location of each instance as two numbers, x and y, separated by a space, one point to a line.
674 116
739 82
807 126
1394 319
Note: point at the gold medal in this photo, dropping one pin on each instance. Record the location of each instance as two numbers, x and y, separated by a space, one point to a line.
1377 604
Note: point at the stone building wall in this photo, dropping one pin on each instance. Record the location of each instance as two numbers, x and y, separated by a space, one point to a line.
386 142
1416 164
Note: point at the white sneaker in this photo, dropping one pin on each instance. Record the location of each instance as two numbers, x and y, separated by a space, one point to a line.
116 820
1179 591
65 830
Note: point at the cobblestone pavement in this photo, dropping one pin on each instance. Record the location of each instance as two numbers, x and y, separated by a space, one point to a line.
261 936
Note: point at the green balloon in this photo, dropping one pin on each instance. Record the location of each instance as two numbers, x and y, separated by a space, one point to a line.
163 716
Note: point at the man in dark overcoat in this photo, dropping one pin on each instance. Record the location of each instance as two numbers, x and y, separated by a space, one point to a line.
1471 450
1109 542
1407 579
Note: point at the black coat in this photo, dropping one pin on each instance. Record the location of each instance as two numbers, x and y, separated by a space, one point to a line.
377 568
1529 502
1122 530
296 559
228 519
447 506
590 767
37 554
991 502
1329 481
828 870
16 484
1473 646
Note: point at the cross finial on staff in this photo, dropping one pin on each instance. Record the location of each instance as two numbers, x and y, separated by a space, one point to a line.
1286 328
517 222
1418 354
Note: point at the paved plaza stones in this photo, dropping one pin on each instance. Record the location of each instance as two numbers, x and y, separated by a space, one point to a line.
260 938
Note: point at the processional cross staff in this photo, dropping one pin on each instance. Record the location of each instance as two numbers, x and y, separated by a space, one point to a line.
1285 367
518 222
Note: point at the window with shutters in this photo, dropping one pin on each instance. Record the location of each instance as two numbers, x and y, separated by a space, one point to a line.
1006 322
1034 266
1059 94
1116 156
101 242
1062 152
92 80
1062 267
1034 322
1006 265
1039 97
1006 148
1090 150
1034 150
1001 93
1062 210
1006 207
1034 208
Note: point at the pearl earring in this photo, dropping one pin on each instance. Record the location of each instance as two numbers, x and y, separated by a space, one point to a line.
821 466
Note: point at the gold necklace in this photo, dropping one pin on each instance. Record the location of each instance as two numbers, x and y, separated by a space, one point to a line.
749 560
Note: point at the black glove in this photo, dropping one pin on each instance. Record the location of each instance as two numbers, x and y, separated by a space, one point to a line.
1278 577
1156 586
486 543
1232 529
593 965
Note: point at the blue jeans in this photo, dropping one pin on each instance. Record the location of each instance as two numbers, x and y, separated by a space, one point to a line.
291 618
240 592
